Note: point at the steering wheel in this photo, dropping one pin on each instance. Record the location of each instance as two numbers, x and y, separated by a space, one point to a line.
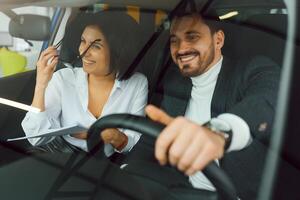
216 175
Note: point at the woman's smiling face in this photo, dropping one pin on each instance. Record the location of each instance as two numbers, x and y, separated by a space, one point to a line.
96 60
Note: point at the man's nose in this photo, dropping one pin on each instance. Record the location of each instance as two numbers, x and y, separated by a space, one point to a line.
183 46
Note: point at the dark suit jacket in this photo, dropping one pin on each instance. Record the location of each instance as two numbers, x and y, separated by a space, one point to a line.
247 88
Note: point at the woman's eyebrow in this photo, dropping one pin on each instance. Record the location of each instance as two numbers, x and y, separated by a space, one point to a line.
97 40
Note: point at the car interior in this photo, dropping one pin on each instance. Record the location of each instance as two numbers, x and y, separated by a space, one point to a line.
252 33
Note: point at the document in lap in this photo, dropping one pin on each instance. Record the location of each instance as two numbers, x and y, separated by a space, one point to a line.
54 132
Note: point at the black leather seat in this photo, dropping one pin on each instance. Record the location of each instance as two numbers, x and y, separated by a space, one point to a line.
20 88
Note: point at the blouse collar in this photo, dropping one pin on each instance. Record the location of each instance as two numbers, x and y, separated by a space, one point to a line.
81 84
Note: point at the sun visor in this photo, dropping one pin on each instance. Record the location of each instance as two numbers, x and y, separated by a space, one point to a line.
30 27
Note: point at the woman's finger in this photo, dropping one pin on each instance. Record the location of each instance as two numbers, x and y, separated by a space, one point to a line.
53 63
47 51
47 59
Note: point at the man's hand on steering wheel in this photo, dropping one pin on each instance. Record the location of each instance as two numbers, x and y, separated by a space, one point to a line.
185 144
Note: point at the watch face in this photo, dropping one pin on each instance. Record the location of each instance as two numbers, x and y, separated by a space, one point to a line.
219 124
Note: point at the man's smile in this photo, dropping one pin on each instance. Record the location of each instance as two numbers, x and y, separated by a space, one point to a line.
187 57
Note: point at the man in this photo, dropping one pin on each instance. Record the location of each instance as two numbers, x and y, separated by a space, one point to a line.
229 105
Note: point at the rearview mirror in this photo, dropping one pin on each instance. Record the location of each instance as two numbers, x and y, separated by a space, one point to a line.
30 27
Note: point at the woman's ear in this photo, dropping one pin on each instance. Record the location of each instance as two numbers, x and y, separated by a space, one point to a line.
219 37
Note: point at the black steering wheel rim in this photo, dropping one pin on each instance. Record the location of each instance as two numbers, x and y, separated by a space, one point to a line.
216 175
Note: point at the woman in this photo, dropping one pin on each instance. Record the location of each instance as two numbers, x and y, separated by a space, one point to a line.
83 95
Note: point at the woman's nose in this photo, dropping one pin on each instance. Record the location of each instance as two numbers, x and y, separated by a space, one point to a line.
85 50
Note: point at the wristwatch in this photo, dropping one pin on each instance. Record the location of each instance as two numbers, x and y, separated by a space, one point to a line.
222 128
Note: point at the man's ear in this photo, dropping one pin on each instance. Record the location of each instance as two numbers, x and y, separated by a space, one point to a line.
219 37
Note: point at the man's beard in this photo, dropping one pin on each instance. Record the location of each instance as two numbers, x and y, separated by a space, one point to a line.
184 71
202 65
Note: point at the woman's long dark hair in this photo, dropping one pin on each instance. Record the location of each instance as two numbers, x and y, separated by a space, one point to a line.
120 30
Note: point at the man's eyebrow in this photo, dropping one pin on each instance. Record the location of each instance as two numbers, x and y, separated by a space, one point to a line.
192 32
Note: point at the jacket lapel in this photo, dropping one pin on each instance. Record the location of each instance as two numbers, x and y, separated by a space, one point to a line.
175 83
224 86
173 92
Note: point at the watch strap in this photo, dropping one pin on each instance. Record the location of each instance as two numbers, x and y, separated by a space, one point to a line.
217 126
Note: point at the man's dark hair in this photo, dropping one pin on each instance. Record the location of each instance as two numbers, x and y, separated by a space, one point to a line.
210 19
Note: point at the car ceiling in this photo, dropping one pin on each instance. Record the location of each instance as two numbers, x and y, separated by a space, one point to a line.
146 4
10 4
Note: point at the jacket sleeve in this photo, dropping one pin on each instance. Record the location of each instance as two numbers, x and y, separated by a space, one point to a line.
258 91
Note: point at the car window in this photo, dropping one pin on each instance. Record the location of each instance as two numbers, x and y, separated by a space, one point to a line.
19 55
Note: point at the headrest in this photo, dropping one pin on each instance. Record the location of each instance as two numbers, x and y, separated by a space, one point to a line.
30 27
246 38
276 23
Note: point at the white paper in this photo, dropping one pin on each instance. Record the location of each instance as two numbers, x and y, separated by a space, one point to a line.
54 132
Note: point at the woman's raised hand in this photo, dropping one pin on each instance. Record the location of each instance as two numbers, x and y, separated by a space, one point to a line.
46 66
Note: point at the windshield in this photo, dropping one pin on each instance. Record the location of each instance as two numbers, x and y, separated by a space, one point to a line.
135 54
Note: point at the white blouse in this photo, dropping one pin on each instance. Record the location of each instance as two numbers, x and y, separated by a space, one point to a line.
66 103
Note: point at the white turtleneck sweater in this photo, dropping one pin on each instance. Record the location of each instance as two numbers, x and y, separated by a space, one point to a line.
199 111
